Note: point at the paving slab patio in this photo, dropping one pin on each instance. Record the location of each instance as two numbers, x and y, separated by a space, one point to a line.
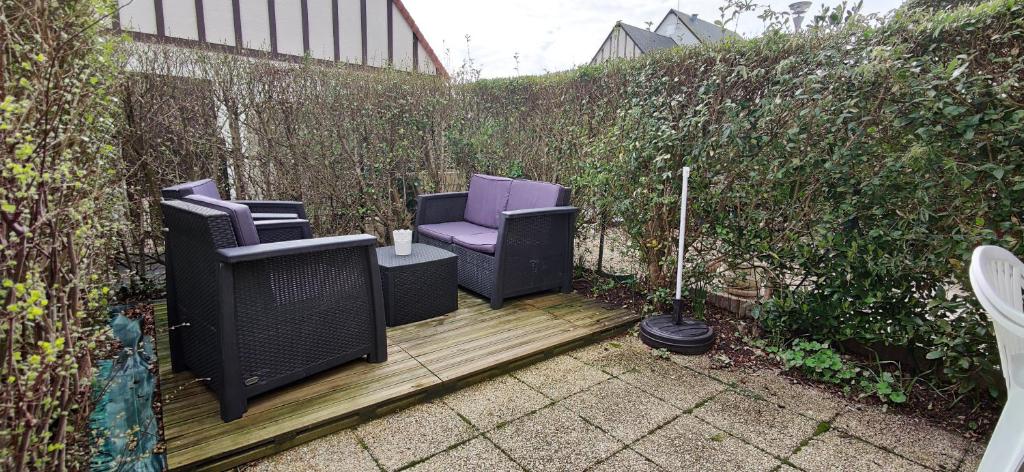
838 451
615 406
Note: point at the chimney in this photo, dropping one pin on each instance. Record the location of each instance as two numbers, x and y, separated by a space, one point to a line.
798 9
693 17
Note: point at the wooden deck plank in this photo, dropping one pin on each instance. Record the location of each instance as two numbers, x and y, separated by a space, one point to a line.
426 359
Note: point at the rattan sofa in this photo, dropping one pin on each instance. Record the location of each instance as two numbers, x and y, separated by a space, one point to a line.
512 237
252 316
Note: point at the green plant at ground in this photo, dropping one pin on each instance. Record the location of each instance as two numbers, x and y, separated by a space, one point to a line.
819 361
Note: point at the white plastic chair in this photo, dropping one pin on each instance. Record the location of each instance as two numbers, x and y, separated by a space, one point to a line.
998 280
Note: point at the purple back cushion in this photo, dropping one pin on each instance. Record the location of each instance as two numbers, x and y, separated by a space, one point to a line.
205 187
528 194
241 218
488 196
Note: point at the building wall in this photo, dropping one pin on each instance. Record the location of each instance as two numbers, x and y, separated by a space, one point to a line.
365 32
618 45
675 29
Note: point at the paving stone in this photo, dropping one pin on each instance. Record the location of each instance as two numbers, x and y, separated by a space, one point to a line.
972 459
837 451
617 355
701 363
477 455
554 439
560 377
496 401
673 383
626 460
912 438
413 434
339 451
757 422
690 444
771 385
622 410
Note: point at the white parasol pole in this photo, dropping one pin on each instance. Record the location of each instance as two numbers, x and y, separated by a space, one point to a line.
682 235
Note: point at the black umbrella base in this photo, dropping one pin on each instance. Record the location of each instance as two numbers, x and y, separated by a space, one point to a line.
689 337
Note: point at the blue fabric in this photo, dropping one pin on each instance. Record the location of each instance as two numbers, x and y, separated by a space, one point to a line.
480 242
124 428
205 187
241 217
446 231
531 194
487 198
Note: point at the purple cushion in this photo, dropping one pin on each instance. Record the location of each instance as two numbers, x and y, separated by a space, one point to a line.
480 242
487 198
445 231
529 194
205 187
241 219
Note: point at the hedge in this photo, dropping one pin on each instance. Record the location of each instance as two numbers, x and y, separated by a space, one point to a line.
853 168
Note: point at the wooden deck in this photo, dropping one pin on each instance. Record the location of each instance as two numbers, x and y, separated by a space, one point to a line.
425 360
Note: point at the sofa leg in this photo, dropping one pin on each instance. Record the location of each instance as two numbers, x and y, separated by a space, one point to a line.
496 302
566 288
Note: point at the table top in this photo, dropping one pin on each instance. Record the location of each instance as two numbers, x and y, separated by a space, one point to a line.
421 253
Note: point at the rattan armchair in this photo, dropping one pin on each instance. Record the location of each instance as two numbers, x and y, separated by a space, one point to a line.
261 209
251 318
512 237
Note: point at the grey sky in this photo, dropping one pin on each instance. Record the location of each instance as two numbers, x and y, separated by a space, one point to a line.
554 35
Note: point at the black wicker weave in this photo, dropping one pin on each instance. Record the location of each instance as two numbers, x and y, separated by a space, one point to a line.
254 318
534 251
419 286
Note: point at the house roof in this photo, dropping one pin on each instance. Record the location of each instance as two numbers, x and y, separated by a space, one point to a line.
441 71
706 32
647 41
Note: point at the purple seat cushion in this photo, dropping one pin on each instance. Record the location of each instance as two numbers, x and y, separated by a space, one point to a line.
241 218
480 242
487 198
529 194
205 187
445 231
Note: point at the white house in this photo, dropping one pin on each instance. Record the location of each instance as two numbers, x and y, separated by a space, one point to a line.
676 29
375 33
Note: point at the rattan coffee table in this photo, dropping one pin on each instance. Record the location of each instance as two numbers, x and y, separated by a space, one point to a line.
422 285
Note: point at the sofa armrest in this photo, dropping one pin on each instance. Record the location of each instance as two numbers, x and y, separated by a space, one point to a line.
287 248
533 212
275 206
535 250
440 207
272 231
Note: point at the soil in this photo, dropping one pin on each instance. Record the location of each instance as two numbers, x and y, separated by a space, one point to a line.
974 418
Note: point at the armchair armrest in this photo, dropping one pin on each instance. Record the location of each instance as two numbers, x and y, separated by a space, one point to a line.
274 206
274 216
271 231
440 207
287 248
